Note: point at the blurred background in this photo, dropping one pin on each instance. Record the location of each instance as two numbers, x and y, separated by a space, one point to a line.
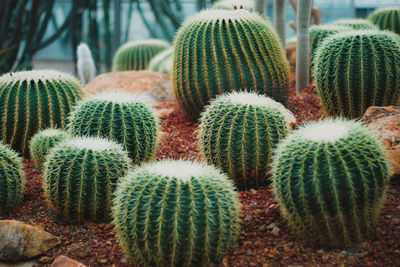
45 33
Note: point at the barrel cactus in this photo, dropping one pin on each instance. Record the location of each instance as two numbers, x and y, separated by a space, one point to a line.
176 213
43 141
12 180
136 55
356 24
162 63
238 133
119 116
34 100
355 70
234 4
220 51
330 179
80 175
318 33
387 19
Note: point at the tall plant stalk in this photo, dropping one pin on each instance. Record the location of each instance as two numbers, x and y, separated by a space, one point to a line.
280 20
303 44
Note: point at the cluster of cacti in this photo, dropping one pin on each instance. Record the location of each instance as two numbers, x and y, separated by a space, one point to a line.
318 33
220 51
234 5
136 55
238 133
80 176
387 19
85 65
356 24
162 63
176 213
12 179
119 116
330 179
358 69
34 100
43 141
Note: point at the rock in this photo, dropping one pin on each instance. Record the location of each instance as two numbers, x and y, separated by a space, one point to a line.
385 121
63 261
144 81
20 241
45 260
291 54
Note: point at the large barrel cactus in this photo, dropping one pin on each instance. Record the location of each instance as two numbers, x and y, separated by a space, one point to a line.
330 179
219 51
356 24
80 175
358 69
238 133
176 213
136 55
318 33
119 116
234 4
12 180
34 100
162 63
387 18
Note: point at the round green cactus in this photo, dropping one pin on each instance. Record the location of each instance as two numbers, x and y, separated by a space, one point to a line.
355 70
136 55
176 213
318 33
238 133
12 180
119 116
34 100
80 175
356 24
43 141
330 179
234 5
162 63
387 19
220 51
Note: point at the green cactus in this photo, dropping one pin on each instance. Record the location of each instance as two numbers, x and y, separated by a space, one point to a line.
234 5
42 142
330 180
220 51
176 213
162 63
355 70
356 24
12 180
119 116
238 133
34 100
318 33
387 19
136 55
80 175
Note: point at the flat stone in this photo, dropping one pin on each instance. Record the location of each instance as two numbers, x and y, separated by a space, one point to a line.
64 261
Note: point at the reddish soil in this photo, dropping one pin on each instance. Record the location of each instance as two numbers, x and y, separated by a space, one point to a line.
265 238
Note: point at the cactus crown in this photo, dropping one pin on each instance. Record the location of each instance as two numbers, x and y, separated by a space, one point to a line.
37 75
326 131
356 24
92 144
234 4
318 33
387 18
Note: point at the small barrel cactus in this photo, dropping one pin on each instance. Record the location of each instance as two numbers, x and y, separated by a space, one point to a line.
12 180
119 116
220 51
43 141
318 33
356 24
358 69
238 133
234 4
330 179
387 19
136 55
162 63
176 213
34 100
80 175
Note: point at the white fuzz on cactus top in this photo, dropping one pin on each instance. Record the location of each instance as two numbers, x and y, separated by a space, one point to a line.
144 42
36 75
246 4
92 143
50 132
120 97
214 14
326 131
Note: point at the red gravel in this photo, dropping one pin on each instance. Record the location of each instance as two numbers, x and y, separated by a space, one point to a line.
265 238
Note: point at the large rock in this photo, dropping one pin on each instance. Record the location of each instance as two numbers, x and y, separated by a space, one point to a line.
20 241
156 84
63 261
385 121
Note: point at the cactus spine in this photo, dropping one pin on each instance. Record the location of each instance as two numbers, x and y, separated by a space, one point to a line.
34 100
330 178
387 19
162 63
176 213
122 117
85 64
318 33
238 133
42 142
356 24
219 51
358 69
80 175
12 180
136 55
